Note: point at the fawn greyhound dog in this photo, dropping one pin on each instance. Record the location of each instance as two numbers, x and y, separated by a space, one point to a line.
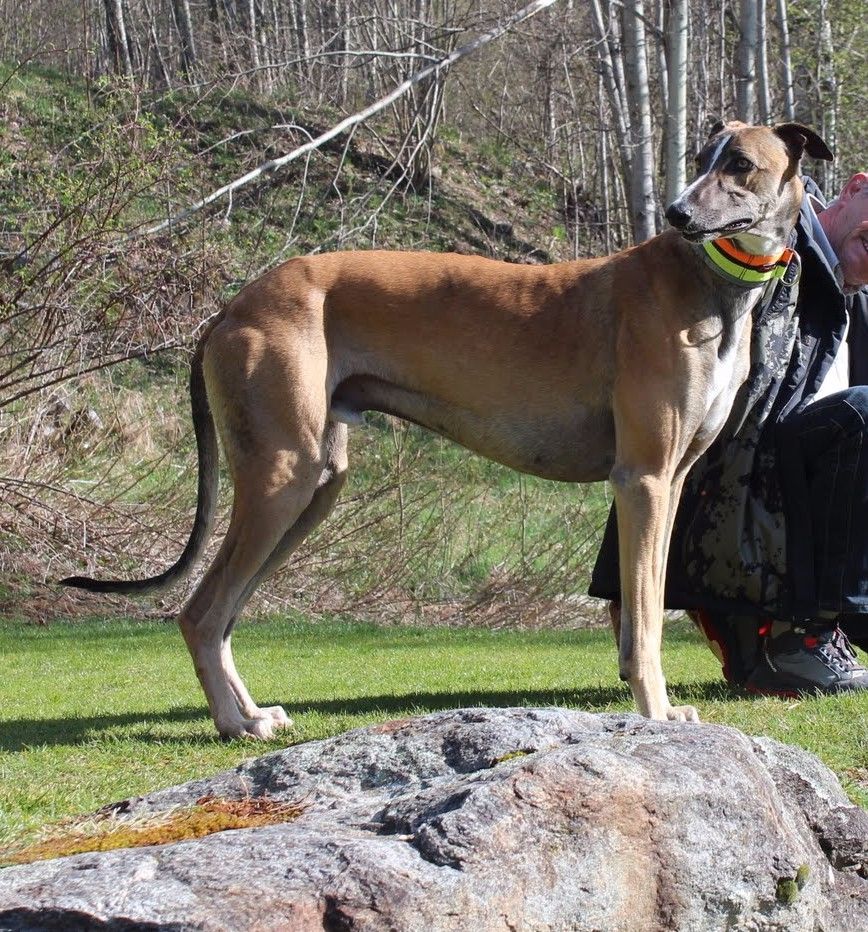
623 367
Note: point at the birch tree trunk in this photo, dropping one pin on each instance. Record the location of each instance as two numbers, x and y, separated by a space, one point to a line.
215 31
604 171
344 43
722 59
616 49
546 70
162 78
643 202
676 114
786 64
702 62
745 85
762 66
250 13
664 13
614 89
298 13
116 30
827 81
181 9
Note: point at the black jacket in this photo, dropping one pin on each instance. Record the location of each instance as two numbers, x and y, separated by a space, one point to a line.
729 542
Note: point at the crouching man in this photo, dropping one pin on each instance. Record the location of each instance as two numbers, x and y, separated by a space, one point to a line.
770 545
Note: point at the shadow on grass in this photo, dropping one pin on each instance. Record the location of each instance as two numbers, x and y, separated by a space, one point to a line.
25 733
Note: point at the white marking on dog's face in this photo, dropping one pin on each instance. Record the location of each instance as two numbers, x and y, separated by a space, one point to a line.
710 165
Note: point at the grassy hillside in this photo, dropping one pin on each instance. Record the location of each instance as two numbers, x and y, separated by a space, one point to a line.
97 471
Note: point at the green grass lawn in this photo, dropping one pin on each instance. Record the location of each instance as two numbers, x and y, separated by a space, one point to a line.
94 711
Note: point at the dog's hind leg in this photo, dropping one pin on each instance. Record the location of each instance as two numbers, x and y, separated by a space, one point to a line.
331 481
208 616
268 395
329 487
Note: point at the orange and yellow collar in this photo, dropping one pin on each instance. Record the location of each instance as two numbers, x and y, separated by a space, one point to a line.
745 268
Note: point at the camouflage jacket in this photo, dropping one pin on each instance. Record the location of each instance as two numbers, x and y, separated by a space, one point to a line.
729 543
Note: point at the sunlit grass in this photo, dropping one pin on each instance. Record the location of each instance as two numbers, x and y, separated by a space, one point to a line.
92 712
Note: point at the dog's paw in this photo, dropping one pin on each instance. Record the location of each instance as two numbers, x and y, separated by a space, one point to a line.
266 722
260 728
277 714
682 713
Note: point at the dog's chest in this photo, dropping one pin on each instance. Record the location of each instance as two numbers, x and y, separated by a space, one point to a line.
729 368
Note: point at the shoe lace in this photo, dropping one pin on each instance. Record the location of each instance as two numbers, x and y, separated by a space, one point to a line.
835 647
842 642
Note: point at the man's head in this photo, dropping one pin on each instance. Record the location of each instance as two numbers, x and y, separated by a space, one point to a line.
845 223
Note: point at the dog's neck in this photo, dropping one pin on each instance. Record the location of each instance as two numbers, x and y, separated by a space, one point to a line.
738 263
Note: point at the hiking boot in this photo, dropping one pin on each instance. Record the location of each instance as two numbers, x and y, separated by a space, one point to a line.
811 658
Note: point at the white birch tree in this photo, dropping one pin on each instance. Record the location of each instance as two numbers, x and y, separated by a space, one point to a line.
745 62
763 92
827 82
675 168
118 43
643 199
184 24
785 59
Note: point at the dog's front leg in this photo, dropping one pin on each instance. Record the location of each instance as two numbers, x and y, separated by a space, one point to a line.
643 501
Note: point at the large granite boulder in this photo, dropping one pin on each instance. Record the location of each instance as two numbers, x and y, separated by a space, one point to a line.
478 819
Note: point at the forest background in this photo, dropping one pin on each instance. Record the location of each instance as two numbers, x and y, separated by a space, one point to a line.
554 131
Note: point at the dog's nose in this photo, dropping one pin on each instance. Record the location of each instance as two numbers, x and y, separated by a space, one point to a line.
678 215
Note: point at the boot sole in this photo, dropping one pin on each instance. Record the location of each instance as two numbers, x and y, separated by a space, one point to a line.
800 692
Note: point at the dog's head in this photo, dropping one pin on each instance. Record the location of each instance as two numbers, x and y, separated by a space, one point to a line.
747 184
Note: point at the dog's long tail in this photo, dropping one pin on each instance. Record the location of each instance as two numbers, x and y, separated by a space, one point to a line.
206 500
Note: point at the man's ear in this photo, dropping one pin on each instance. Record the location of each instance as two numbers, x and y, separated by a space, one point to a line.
801 139
858 184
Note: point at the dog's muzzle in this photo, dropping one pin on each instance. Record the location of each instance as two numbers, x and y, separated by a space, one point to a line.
678 215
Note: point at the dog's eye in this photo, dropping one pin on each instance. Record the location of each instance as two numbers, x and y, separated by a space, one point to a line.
741 164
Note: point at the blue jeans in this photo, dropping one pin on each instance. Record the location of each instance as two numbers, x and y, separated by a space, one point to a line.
823 464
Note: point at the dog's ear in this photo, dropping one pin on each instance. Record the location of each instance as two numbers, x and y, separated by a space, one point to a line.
718 126
801 139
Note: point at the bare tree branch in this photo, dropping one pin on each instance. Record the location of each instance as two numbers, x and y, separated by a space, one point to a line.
273 164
